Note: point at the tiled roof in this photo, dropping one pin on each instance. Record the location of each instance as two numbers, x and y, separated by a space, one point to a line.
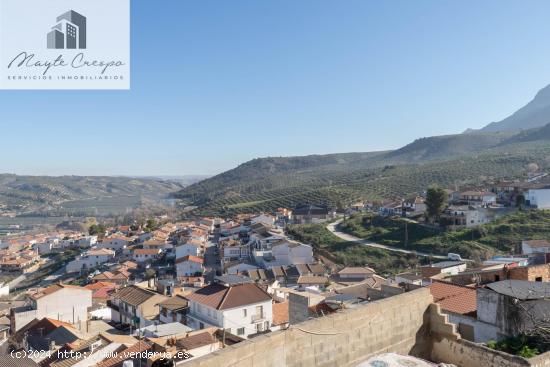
312 279
454 298
52 289
356 270
191 258
146 251
126 354
197 341
133 295
221 297
280 313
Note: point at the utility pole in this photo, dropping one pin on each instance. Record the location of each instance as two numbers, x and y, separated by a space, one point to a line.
406 233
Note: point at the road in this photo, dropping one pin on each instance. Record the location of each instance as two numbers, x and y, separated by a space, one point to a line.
211 259
333 227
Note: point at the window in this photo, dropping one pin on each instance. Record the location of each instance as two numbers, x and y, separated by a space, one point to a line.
497 278
201 325
244 312
538 279
240 331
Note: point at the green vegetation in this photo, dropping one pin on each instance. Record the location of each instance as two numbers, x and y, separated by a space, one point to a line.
521 345
502 236
436 201
352 254
97 229
338 180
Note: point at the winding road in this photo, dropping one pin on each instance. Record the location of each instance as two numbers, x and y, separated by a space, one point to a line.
333 227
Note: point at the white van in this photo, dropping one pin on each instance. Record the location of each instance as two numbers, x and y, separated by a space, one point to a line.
454 257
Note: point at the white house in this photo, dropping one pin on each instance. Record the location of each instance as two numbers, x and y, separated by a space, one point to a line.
538 198
189 266
44 247
535 247
61 302
266 219
87 241
115 243
4 289
90 259
241 309
288 252
143 255
187 249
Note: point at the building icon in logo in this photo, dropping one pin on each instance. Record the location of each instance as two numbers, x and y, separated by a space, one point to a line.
69 33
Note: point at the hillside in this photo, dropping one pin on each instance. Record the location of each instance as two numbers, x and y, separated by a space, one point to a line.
24 194
266 184
534 114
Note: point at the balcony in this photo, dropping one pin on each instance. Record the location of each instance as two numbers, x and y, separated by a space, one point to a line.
259 317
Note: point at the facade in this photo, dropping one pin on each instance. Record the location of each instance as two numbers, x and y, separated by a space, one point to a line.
240 309
146 255
538 198
304 214
61 302
187 249
174 309
90 259
115 243
189 266
135 306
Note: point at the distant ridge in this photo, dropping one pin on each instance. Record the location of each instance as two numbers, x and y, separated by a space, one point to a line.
534 114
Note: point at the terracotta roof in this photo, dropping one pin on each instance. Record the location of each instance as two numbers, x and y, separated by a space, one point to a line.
126 354
280 313
356 270
52 289
454 298
98 285
133 295
537 243
197 341
146 251
312 279
191 258
221 297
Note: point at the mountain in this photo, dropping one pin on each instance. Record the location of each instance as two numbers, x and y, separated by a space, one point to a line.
71 194
534 114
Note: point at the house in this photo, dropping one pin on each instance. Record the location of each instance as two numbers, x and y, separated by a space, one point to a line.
142 255
513 306
61 302
87 241
535 246
44 247
135 306
234 250
280 315
189 248
461 216
266 219
312 281
115 243
304 214
538 197
90 259
174 309
355 273
443 267
119 277
189 266
238 267
414 206
478 198
242 309
409 278
390 208
284 252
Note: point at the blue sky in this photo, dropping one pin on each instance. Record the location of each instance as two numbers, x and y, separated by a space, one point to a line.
216 83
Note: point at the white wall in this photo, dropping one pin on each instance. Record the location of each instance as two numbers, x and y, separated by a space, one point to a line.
539 198
188 268
187 249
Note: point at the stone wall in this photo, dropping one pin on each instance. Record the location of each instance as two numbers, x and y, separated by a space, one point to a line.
346 338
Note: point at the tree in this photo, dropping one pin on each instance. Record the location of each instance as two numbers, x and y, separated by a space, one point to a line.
520 201
436 201
96 229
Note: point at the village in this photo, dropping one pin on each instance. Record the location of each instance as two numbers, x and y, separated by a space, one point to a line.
193 287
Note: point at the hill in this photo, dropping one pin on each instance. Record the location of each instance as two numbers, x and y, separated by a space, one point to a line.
41 194
336 180
534 114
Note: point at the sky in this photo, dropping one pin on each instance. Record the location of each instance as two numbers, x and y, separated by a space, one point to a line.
217 83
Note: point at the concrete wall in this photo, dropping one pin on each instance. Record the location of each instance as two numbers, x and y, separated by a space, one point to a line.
343 339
